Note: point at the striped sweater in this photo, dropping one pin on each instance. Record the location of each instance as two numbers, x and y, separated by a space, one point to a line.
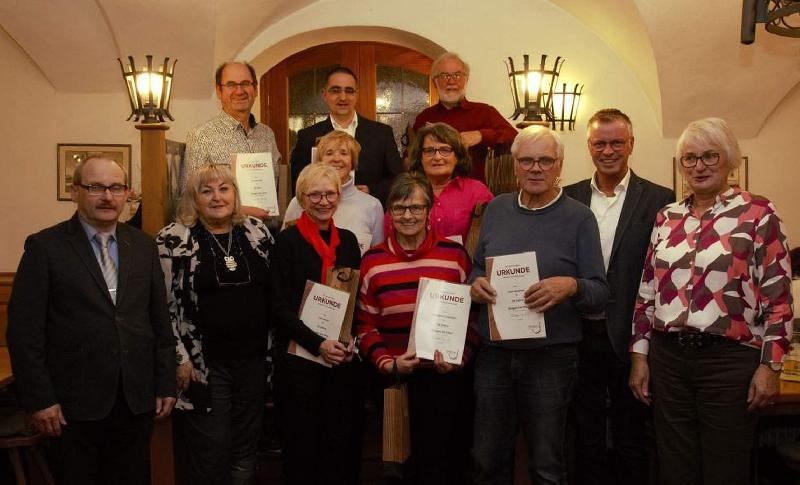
389 283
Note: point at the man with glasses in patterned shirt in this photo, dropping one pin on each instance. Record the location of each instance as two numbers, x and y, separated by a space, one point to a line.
379 161
480 125
235 129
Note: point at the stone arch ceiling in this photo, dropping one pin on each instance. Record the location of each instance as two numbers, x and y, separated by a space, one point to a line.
685 53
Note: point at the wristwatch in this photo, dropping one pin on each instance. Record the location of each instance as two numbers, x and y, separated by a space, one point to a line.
776 366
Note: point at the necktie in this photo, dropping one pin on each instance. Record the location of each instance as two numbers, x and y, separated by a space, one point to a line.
107 265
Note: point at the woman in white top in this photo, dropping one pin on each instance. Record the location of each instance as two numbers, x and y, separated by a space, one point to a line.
358 212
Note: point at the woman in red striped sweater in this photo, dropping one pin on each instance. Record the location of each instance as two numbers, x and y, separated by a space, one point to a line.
439 393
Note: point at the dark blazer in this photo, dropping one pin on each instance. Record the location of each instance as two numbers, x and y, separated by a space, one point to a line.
378 162
69 343
642 202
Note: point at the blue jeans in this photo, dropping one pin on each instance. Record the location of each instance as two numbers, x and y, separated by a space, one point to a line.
528 390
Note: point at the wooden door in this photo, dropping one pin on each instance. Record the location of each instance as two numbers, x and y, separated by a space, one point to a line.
394 84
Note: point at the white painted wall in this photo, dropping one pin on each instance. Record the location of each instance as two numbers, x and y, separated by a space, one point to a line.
35 118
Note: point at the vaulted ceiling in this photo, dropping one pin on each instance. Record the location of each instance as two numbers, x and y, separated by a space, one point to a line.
685 53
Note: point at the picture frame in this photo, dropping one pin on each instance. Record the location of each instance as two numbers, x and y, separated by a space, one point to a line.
68 154
737 178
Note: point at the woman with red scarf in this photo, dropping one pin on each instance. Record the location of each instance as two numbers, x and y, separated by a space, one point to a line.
315 404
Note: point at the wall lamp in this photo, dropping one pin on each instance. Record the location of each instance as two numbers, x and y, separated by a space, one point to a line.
149 89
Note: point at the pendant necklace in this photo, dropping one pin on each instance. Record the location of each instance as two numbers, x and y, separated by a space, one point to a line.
230 262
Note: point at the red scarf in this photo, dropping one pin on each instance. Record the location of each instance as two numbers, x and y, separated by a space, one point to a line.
427 244
327 252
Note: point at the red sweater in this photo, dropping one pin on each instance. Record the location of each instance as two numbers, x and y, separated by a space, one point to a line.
389 283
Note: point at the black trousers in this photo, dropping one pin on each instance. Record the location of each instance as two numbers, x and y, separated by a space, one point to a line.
316 408
704 432
114 450
603 397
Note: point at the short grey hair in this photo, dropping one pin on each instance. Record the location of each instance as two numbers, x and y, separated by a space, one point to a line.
77 173
534 133
435 71
714 132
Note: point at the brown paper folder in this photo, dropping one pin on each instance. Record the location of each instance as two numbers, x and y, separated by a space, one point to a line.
396 428
345 279
494 333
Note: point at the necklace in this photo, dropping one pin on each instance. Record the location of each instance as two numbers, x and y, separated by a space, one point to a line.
230 262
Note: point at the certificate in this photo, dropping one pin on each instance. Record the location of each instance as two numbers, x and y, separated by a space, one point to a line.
255 177
509 317
441 317
322 310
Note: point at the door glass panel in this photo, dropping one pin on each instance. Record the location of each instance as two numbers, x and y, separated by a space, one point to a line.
305 103
399 96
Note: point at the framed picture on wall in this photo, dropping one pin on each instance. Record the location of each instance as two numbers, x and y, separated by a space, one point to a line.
737 178
70 154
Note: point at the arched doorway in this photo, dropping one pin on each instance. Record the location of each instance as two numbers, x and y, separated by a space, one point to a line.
394 85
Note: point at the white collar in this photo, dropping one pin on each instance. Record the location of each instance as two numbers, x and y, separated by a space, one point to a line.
555 199
350 129
622 186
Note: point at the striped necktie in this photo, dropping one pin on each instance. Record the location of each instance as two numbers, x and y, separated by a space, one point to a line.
107 265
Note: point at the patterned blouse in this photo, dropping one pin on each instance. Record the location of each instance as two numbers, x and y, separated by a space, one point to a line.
726 273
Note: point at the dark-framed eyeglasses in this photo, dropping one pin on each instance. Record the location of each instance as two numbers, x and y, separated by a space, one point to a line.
545 163
337 90
97 190
316 197
398 210
616 145
244 85
444 151
709 159
451 76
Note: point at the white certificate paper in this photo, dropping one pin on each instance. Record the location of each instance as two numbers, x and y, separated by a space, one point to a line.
441 317
323 310
509 318
255 177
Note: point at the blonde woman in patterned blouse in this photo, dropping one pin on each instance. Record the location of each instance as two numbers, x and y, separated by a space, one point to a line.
713 316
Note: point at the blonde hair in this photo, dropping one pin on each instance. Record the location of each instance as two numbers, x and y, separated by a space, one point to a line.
187 206
311 174
339 137
714 132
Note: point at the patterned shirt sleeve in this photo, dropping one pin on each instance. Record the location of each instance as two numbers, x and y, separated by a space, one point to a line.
644 310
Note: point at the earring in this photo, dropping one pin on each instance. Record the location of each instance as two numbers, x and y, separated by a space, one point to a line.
557 182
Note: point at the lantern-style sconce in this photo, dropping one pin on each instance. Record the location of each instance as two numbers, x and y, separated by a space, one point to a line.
565 106
149 89
537 98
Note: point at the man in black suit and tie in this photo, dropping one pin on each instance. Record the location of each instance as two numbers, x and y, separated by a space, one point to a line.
379 160
91 346
625 206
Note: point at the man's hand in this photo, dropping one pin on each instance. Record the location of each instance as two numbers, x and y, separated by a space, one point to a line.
164 406
471 138
333 351
481 291
363 188
763 388
49 420
549 292
256 212
639 380
185 374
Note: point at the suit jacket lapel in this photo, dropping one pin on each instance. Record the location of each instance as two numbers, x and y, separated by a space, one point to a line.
124 253
584 193
631 202
81 244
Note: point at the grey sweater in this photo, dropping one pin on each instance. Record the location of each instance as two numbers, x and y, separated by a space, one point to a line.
567 243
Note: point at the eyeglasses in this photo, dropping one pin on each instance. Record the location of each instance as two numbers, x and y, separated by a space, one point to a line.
615 145
316 197
400 210
709 159
97 190
451 76
444 151
337 90
244 85
545 163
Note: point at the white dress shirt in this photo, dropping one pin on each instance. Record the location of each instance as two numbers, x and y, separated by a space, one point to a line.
607 211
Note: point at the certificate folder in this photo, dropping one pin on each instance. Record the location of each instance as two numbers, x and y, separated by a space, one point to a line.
441 318
509 317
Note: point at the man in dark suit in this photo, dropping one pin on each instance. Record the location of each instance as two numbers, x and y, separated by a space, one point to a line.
379 160
91 346
625 206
